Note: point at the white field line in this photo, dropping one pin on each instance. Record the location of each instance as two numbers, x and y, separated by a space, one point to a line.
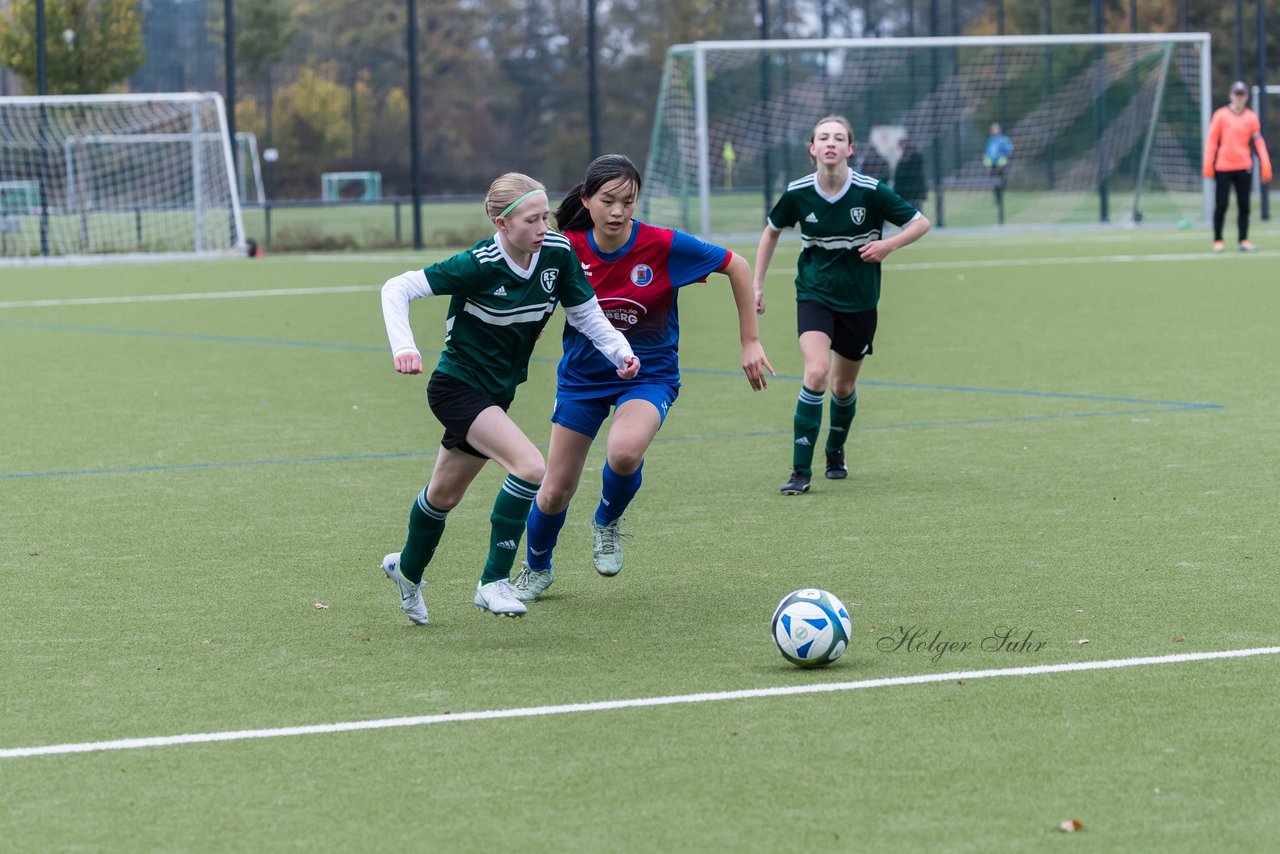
274 292
961 266
956 266
612 705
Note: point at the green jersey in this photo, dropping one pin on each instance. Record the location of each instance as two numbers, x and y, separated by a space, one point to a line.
832 229
497 311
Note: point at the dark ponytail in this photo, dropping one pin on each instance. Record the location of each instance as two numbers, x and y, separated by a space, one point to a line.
572 215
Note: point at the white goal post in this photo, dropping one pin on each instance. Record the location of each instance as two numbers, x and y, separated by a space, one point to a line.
118 176
1105 128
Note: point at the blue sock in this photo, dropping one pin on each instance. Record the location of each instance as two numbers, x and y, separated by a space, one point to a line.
616 493
542 531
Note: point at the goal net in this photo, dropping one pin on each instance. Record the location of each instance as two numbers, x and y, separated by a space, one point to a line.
116 175
1104 128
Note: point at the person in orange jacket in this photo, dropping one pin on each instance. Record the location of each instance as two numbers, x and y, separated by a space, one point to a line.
1234 135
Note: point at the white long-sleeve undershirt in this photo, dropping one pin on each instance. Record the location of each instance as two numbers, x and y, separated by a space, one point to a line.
587 318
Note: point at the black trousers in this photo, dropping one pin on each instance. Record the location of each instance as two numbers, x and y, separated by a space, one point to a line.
1242 180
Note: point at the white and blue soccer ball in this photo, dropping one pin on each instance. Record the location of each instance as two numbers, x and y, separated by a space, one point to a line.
811 628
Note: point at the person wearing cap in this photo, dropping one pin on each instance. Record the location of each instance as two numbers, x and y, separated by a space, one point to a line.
501 292
1235 135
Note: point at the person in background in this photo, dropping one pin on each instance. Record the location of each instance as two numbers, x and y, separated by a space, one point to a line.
995 156
908 175
637 271
1235 136
841 214
501 292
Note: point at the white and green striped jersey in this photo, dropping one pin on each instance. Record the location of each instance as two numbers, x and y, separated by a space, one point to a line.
496 309
832 228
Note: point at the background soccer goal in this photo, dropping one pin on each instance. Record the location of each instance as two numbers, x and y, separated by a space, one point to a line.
1105 128
116 175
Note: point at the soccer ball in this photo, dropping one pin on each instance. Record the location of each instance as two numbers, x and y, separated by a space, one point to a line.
811 628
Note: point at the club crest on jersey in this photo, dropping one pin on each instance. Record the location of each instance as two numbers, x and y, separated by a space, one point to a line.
859 215
549 280
641 275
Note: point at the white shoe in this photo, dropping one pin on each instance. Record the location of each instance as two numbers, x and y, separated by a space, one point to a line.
499 598
410 594
606 547
530 583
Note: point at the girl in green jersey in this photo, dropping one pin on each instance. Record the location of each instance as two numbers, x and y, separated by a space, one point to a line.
501 292
841 214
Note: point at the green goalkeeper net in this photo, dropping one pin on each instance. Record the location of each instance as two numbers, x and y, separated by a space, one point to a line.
1104 128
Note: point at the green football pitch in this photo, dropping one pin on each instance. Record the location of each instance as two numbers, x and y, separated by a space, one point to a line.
1058 544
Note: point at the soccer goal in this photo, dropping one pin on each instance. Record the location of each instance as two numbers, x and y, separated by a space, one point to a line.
123 176
1105 128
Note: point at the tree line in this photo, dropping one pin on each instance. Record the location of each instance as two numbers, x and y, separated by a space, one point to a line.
503 84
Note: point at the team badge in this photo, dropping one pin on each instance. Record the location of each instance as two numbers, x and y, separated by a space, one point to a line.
641 275
549 280
859 215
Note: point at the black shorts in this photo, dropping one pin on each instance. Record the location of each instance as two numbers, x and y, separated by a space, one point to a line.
851 333
456 405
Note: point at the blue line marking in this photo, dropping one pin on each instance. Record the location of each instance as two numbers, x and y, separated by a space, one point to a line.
1148 406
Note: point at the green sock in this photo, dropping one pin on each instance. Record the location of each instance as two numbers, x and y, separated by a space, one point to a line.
507 521
426 527
842 412
807 421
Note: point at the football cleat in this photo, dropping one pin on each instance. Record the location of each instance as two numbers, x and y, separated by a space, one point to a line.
836 468
410 594
798 484
499 598
606 547
530 583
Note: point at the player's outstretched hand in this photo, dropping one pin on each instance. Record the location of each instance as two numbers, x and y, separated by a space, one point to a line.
408 363
755 364
630 367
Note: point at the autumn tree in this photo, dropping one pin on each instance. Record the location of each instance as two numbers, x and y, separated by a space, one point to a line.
91 46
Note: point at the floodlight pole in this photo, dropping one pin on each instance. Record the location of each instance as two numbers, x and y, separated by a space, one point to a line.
42 90
1260 104
767 130
415 178
1100 108
229 46
593 88
1236 57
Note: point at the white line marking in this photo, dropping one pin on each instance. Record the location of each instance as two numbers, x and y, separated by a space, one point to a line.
611 705
275 292
961 266
956 266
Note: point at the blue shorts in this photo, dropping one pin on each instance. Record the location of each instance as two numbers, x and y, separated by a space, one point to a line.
586 416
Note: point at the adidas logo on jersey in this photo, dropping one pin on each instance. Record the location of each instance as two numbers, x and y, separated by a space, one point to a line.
811 217
500 292
507 544
803 440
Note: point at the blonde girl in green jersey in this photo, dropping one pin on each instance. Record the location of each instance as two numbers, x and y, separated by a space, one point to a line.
501 292
841 214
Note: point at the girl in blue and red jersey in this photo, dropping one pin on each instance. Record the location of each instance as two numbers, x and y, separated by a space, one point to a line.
636 271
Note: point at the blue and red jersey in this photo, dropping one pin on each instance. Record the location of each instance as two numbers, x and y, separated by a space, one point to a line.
636 287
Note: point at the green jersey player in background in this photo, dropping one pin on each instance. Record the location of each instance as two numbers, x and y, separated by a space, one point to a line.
841 214
501 292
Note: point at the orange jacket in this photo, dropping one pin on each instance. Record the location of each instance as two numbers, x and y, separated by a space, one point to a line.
1232 138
